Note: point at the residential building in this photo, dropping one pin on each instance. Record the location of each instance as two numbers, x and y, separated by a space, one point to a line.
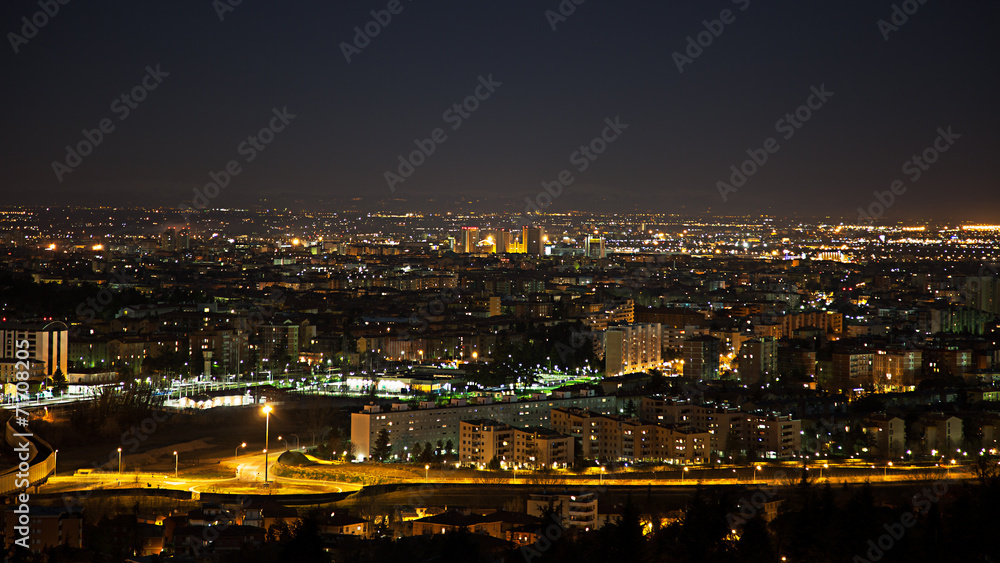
888 433
632 348
46 342
758 360
407 427
701 357
578 511
49 527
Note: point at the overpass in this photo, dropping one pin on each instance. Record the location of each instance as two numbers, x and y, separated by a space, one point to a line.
41 461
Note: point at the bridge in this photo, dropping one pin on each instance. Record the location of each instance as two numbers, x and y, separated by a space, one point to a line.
41 461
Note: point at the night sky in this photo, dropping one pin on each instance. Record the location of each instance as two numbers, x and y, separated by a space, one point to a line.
556 88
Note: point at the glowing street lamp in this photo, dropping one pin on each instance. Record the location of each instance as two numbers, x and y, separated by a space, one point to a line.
243 445
119 461
175 465
603 469
755 470
427 469
683 473
267 432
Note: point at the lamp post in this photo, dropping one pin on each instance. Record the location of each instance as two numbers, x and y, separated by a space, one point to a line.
756 468
885 475
237 455
267 432
55 463
825 466
119 461
286 442
297 447
602 474
427 469
175 465
683 473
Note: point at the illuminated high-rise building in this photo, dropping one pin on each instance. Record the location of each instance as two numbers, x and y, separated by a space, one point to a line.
470 240
535 237
593 247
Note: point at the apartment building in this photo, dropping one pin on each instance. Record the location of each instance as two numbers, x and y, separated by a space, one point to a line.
578 511
852 369
407 427
481 440
632 348
758 360
888 433
773 436
701 357
50 527
896 369
47 342
614 437
939 434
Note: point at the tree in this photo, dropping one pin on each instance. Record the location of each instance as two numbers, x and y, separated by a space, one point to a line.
494 464
58 380
427 454
439 452
448 446
630 410
382 449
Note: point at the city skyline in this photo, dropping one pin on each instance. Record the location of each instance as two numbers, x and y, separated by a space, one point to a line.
536 85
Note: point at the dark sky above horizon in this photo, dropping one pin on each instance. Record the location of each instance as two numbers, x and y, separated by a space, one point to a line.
606 60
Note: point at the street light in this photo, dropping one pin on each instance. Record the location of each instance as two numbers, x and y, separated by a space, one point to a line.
885 475
603 469
119 461
243 445
55 463
825 466
755 470
267 432
286 442
175 465
297 447
427 469
683 473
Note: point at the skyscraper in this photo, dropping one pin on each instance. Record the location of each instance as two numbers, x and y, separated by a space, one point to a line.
593 247
536 240
470 240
